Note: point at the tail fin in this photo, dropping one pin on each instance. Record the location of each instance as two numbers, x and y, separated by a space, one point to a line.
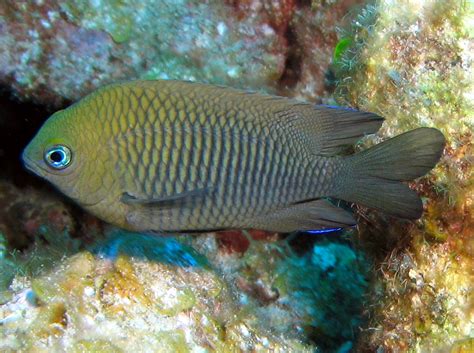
374 175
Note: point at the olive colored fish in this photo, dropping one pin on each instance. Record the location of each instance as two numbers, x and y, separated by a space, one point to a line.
179 156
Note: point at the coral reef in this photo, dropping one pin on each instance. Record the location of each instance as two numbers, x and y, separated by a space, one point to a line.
136 290
54 53
413 65
389 286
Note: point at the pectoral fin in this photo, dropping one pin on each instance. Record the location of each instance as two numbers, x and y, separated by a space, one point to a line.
175 200
313 215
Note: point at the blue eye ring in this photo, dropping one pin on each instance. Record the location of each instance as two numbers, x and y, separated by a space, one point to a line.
58 156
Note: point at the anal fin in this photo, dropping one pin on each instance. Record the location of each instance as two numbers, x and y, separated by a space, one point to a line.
312 215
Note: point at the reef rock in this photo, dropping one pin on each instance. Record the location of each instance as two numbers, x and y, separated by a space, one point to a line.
53 52
136 291
412 64
56 53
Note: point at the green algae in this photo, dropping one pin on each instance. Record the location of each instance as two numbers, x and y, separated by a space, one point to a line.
341 47
49 248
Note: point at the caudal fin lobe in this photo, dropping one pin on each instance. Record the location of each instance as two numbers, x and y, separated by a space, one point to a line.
373 177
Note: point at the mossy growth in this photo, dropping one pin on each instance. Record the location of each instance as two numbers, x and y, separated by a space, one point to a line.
411 62
408 68
48 249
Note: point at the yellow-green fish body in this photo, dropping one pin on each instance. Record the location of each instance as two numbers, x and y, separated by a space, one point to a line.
177 156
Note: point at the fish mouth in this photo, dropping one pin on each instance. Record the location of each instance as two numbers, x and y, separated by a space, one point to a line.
34 167
28 163
28 166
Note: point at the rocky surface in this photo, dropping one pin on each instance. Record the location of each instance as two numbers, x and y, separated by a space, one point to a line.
56 53
135 291
412 64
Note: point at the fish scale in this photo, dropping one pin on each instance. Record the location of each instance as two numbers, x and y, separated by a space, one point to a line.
259 155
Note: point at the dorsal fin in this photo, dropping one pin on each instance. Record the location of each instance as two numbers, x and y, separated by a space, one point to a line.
329 130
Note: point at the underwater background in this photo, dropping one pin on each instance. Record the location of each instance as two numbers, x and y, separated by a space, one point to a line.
69 282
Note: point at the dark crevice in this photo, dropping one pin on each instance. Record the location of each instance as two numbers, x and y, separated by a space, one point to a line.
292 72
303 3
19 122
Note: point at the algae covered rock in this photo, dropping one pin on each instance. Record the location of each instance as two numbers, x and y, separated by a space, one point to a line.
54 52
314 296
135 292
411 62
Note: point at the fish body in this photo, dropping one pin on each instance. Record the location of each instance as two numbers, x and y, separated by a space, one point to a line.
179 156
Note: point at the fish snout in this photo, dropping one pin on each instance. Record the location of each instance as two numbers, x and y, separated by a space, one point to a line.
25 158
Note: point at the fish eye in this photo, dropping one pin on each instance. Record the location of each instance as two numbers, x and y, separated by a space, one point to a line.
58 157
